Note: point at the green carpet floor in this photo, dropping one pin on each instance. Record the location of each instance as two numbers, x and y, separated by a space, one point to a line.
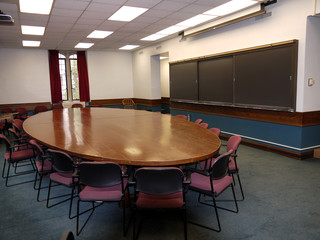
282 202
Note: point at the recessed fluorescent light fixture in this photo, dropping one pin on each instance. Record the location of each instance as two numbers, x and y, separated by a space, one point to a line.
27 43
126 13
36 6
230 7
153 37
84 45
196 20
99 34
171 30
32 30
129 47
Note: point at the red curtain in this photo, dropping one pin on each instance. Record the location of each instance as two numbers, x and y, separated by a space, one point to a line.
83 76
55 81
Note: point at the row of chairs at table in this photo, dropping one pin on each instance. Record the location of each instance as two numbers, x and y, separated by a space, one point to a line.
99 182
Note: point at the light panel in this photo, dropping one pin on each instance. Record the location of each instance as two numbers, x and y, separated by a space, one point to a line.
153 37
99 34
196 20
230 7
129 47
84 45
36 6
32 30
27 43
126 13
171 30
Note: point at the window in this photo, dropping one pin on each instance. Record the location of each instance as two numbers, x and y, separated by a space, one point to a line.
69 76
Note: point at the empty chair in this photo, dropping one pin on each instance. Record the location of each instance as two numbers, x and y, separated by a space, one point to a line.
64 175
57 106
103 182
212 183
16 155
128 103
198 121
22 113
77 105
182 116
43 166
232 145
6 110
216 131
205 125
39 109
159 188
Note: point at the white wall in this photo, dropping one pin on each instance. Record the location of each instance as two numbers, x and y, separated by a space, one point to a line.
110 74
24 76
287 22
164 76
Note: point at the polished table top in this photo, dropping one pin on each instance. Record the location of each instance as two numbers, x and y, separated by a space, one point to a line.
130 137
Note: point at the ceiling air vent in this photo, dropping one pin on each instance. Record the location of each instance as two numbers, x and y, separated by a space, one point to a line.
5 18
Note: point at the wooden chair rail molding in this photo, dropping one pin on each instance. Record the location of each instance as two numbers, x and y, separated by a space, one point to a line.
28 106
300 119
118 101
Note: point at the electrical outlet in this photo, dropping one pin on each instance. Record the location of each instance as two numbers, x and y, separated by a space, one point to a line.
310 82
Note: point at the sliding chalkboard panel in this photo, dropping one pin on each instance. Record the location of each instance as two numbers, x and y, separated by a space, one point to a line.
216 80
264 78
184 81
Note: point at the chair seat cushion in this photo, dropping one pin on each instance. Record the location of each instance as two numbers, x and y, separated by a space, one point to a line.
173 200
112 193
44 166
203 182
19 155
62 178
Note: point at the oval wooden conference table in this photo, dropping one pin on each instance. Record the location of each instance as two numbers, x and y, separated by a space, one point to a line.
129 137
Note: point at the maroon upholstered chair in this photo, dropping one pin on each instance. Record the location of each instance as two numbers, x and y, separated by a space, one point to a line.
7 110
22 113
103 182
39 109
43 166
64 174
182 116
232 145
212 183
159 188
205 164
205 125
16 155
77 105
198 121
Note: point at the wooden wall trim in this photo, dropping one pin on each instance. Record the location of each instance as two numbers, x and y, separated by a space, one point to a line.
28 106
117 101
165 100
288 118
148 102
281 151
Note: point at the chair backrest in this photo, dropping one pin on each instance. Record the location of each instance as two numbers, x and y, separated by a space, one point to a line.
22 111
17 124
6 141
14 133
182 116
37 148
128 103
159 180
205 125
233 143
216 131
219 168
77 105
99 174
7 110
198 121
67 236
39 109
61 161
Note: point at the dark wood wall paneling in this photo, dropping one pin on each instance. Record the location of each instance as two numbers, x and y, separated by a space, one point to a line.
28 106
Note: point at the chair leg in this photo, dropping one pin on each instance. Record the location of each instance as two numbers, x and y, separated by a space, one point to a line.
242 194
3 168
185 223
78 215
